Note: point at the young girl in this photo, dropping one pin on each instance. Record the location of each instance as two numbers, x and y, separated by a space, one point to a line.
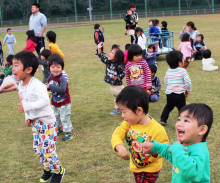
31 42
137 71
141 40
114 72
186 49
208 62
150 56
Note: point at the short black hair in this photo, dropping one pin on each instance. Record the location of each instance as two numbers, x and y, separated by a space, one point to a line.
202 113
191 24
127 46
173 58
51 35
46 53
138 29
185 37
8 29
207 53
96 26
202 36
115 46
132 5
9 59
153 68
37 5
28 59
156 21
55 59
151 46
164 24
132 97
134 50
153 22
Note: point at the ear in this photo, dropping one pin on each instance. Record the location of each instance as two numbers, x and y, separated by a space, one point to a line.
139 110
29 70
203 130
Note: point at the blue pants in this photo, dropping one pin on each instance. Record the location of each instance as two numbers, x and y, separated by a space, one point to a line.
11 49
153 98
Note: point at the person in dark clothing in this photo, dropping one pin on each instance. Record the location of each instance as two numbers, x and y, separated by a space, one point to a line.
98 36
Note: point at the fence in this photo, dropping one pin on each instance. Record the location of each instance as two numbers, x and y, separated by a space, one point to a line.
114 16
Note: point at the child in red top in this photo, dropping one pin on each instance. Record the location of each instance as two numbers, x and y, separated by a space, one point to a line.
31 43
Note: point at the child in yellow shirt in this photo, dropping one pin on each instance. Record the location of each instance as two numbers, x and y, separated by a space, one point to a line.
138 127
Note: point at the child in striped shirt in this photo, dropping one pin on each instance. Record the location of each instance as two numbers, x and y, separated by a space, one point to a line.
178 84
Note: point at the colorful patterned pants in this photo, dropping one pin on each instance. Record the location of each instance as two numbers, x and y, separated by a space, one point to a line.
45 141
146 177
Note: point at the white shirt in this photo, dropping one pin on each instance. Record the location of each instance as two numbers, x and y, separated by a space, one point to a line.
142 41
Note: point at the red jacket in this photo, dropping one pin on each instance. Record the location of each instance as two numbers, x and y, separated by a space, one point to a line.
30 46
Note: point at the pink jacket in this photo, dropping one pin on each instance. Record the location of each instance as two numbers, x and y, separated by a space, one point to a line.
30 46
185 48
125 56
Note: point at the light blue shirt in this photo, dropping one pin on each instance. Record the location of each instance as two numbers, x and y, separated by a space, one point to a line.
37 22
10 39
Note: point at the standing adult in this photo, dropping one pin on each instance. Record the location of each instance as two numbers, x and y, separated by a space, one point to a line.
38 23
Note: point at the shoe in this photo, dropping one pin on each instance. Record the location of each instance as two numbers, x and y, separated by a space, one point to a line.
115 111
163 123
69 136
46 176
192 59
57 177
59 132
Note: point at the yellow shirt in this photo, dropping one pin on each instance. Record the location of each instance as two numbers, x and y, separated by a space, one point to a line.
55 49
135 134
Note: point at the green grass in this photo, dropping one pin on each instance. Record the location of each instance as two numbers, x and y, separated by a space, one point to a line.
89 157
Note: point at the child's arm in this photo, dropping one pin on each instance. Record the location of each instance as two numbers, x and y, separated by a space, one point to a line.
15 42
121 73
28 45
5 39
8 71
147 75
61 88
158 85
187 82
128 74
103 30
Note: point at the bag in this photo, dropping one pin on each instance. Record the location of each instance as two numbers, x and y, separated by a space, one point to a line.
131 32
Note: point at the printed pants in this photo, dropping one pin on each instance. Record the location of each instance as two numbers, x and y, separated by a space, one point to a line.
45 141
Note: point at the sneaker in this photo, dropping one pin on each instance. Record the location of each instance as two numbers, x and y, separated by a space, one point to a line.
163 123
69 136
192 59
46 176
57 177
59 132
115 111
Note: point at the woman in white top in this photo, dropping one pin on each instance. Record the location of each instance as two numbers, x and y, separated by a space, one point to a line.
141 40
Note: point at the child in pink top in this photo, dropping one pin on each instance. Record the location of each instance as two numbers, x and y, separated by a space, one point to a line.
31 43
137 71
186 49
126 53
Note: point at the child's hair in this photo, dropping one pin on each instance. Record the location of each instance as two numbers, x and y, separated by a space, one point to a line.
207 53
46 53
119 56
202 113
134 50
8 29
173 58
30 35
115 46
96 26
202 36
127 46
51 35
151 46
164 24
132 5
55 59
153 22
37 5
192 25
9 59
138 29
157 21
132 97
185 37
28 59
153 68
128 10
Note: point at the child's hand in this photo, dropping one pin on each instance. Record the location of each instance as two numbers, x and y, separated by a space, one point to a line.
2 67
28 123
47 85
42 48
20 107
146 146
122 152
187 94
148 92
149 56
152 91
100 45
184 27
202 48
114 77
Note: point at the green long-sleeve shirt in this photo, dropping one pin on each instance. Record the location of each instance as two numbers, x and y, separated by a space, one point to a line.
188 166
8 71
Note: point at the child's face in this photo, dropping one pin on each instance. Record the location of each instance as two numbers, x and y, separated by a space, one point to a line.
56 69
42 57
9 32
150 23
187 129
199 39
5 62
137 58
152 73
111 55
150 50
133 9
161 25
18 70
129 12
138 33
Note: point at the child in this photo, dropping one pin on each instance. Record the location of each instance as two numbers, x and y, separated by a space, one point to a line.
178 84
115 46
157 23
61 102
208 62
35 104
130 22
153 92
137 71
189 156
98 36
114 72
151 56
165 33
186 49
154 33
138 127
141 40
31 42
1 55
199 47
44 54
10 38
51 37
126 53
7 69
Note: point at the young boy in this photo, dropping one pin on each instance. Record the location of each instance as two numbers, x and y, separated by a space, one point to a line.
98 36
44 54
198 47
10 38
178 84
189 156
35 104
136 128
153 92
54 48
61 102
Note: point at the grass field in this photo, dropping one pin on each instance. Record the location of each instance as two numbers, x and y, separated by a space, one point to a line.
89 158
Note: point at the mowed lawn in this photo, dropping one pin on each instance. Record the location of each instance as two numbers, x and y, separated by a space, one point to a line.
89 158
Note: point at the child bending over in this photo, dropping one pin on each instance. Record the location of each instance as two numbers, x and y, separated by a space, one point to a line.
138 127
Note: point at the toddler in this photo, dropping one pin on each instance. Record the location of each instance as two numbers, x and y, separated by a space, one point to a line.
31 42
7 68
44 54
151 56
11 41
138 127
208 62
165 34
141 40
154 33
199 46
130 21
98 36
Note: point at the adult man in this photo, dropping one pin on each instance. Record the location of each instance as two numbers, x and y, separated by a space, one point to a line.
38 23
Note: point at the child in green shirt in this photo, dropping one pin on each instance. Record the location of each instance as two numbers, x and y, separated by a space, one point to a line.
189 156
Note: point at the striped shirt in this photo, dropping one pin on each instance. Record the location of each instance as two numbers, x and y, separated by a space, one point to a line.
138 73
177 81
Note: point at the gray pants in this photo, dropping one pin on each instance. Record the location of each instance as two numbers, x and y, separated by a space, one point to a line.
11 48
